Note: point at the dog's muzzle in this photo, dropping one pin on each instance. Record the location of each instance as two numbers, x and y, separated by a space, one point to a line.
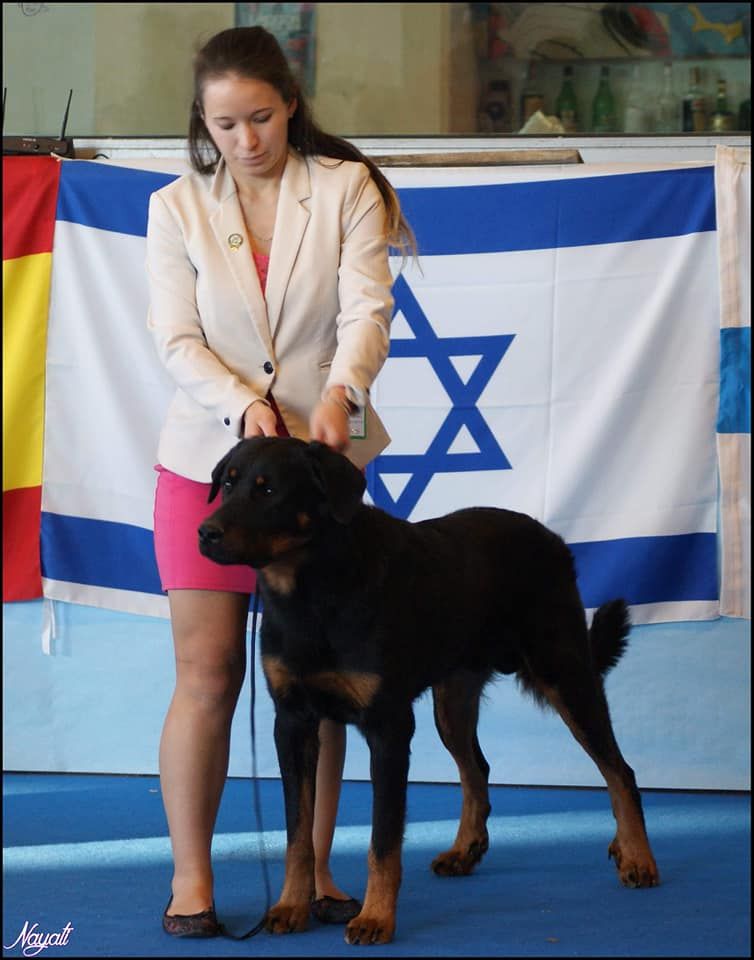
210 535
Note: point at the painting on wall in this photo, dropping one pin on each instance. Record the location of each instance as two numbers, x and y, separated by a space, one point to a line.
562 31
293 26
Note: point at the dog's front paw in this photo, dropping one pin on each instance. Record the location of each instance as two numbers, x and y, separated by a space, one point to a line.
635 869
368 928
287 917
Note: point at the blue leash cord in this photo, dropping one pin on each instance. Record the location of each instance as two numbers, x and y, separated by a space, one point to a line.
255 782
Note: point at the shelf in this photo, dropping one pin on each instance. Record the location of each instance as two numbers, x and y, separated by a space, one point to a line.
587 61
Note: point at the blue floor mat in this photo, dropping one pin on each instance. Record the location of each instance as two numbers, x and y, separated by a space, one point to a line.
92 851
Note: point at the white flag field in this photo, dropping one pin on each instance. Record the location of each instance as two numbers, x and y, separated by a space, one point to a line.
555 351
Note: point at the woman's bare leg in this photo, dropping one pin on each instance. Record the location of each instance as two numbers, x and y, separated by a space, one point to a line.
332 752
209 629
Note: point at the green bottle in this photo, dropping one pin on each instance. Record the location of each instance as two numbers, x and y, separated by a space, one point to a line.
744 114
604 119
566 105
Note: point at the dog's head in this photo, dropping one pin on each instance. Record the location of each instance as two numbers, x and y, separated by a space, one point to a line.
278 493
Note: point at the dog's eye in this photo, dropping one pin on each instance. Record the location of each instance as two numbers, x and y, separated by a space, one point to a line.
266 490
228 486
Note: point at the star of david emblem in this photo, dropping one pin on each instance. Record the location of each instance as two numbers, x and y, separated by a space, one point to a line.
464 413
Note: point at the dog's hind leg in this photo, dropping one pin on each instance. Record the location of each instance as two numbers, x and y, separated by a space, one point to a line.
456 707
569 681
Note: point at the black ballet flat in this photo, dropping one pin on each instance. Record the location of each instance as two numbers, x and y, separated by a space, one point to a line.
330 910
202 924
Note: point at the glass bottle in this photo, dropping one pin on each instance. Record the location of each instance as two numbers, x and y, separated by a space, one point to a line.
667 105
744 114
635 116
566 105
603 105
722 118
532 98
495 112
694 105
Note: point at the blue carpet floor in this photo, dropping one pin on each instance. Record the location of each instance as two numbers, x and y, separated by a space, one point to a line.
93 852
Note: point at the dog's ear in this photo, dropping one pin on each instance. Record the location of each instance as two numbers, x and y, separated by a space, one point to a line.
342 482
217 474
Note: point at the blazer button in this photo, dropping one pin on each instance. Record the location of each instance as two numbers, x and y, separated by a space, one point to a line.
268 367
226 421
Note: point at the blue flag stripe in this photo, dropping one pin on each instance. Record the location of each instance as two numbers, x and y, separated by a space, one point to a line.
640 569
458 220
561 213
735 380
96 195
648 569
98 553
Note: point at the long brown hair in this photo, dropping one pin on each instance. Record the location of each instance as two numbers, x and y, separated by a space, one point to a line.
255 53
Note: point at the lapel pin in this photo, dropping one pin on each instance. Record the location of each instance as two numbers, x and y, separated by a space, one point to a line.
235 240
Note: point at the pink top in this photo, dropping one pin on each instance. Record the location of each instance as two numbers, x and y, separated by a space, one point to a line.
262 263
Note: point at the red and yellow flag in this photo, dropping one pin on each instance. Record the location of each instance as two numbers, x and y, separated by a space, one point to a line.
29 203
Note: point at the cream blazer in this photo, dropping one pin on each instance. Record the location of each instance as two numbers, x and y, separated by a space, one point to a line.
324 321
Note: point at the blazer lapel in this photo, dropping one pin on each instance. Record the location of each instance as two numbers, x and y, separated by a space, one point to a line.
228 225
290 224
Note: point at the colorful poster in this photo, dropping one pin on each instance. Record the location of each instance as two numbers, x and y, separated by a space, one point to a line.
293 25
563 31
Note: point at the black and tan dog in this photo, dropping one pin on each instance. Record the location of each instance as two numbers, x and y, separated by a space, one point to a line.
363 612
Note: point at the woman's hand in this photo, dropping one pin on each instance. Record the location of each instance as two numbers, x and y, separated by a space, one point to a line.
329 420
259 420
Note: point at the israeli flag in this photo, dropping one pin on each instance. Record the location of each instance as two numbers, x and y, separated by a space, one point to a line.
555 351
557 354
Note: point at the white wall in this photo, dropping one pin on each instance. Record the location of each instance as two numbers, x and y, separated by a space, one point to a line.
680 702
39 73
379 67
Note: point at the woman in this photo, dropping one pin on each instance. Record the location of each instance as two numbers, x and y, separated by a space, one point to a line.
270 307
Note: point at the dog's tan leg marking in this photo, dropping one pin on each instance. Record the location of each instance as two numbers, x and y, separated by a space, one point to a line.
358 689
291 913
630 849
376 922
278 675
456 706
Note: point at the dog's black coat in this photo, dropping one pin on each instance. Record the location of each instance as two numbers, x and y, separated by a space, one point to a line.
363 612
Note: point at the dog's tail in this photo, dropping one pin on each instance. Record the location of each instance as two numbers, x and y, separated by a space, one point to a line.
608 634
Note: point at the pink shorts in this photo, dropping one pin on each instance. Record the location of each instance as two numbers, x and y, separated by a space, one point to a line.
180 506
